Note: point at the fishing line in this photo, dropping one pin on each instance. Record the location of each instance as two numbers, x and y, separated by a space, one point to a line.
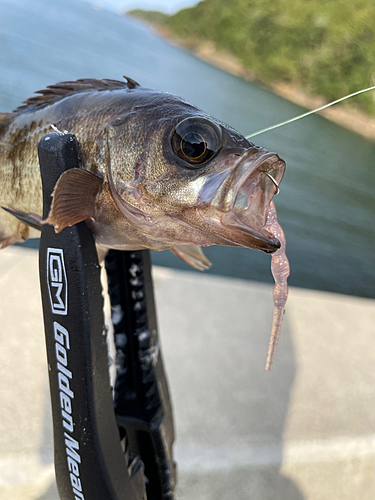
308 113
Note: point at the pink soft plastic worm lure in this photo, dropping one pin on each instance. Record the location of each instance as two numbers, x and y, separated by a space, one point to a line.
280 272
280 263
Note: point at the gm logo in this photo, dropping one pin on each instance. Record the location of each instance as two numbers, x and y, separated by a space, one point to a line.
56 281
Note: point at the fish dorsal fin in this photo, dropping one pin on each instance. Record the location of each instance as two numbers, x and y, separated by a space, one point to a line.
54 93
192 255
74 198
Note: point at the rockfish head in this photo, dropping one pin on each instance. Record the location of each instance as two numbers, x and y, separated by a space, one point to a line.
171 175
181 177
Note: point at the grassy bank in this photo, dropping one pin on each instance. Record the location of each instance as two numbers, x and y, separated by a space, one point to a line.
309 52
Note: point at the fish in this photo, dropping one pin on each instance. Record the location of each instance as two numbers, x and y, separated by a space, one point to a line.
156 172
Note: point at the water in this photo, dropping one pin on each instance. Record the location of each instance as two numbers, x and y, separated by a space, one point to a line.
326 205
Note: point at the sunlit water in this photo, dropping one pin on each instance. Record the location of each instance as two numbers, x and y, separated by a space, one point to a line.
326 205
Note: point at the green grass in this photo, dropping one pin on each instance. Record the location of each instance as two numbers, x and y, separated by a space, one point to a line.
326 47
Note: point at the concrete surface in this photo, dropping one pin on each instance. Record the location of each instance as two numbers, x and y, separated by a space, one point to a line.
305 431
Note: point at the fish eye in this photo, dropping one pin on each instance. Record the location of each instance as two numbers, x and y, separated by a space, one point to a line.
193 146
196 140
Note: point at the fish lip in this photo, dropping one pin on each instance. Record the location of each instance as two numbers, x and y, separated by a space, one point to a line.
259 239
261 164
257 234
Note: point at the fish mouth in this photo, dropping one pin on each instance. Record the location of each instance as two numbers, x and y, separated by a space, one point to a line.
244 199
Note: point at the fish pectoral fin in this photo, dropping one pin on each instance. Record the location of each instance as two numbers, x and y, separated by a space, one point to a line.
74 198
32 220
192 255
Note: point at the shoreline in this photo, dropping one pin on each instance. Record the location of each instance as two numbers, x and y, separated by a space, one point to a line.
347 117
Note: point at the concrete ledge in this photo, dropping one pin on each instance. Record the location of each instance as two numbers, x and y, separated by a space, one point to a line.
306 430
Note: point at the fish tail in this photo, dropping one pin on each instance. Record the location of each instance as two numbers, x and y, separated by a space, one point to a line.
8 224
5 119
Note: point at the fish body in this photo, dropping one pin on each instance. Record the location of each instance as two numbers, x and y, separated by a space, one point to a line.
156 173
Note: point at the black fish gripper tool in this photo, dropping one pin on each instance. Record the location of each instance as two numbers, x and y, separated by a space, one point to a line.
106 448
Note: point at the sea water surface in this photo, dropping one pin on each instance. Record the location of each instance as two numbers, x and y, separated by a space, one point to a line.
327 203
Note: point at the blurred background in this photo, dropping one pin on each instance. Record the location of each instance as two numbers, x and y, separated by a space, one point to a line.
307 429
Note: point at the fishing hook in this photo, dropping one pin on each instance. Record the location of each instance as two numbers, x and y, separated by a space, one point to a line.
275 183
